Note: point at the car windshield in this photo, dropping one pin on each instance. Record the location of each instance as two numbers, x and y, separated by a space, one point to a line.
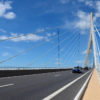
75 67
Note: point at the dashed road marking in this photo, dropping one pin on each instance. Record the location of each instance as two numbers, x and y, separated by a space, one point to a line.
6 85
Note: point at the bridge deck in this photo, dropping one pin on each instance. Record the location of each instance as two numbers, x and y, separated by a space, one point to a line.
93 89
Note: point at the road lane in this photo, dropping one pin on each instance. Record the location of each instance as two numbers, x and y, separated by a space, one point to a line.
64 87
71 92
35 87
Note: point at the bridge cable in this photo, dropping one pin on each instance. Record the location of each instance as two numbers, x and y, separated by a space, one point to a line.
10 38
48 51
97 30
73 54
63 48
98 50
96 39
70 48
29 49
68 60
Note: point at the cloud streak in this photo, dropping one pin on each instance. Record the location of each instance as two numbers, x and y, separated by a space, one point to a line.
84 52
4 10
5 54
2 30
83 22
22 37
29 37
64 1
83 18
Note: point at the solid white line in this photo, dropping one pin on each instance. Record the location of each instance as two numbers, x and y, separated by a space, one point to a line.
63 88
6 85
79 94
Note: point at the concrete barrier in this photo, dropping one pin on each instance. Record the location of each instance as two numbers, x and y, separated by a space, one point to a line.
7 73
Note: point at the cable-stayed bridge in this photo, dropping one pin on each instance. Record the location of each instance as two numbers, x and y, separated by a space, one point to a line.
61 48
55 51
59 51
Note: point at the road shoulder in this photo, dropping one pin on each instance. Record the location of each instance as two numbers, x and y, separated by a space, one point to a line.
93 89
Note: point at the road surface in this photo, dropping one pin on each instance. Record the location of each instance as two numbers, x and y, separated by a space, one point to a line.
55 86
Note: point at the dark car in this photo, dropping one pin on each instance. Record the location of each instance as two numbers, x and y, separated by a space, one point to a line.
77 70
86 68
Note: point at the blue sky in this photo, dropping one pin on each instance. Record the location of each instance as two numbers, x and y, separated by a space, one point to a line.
36 21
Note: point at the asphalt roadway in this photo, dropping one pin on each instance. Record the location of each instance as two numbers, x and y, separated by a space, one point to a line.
45 86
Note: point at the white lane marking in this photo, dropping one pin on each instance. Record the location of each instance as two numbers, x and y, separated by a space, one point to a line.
79 94
63 88
6 85
57 75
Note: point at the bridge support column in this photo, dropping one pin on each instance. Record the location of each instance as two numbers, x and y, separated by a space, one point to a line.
92 41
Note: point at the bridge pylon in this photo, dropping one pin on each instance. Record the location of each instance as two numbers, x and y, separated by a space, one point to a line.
92 42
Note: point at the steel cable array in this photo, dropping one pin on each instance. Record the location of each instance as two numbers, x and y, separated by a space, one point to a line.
47 52
27 50
68 43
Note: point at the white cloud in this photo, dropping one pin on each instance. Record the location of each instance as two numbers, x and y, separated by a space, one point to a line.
29 37
22 37
58 63
98 9
5 54
79 61
2 30
64 1
89 3
84 52
81 0
83 18
4 7
47 39
48 34
10 15
83 22
3 37
40 30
